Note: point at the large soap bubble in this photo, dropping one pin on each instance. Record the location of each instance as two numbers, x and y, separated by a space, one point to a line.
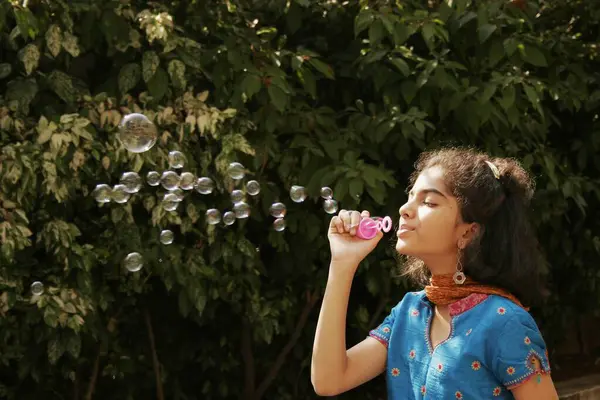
137 133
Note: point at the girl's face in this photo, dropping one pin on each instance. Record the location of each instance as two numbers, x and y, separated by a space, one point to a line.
431 225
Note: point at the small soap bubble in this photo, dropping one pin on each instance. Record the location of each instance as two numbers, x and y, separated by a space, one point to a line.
153 178
170 202
102 193
229 218
213 216
237 196
279 224
253 188
132 182
278 210
298 194
236 170
330 206
37 288
205 185
241 210
133 262
169 180
119 194
326 193
167 236
176 159
187 181
137 133
179 194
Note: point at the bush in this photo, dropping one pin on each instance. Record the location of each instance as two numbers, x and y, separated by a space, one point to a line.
313 93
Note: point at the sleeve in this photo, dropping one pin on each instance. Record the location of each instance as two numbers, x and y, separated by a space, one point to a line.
384 331
520 353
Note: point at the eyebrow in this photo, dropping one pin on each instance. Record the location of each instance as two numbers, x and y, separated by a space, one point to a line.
428 191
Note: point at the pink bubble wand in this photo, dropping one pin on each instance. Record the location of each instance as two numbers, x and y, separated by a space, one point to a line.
368 227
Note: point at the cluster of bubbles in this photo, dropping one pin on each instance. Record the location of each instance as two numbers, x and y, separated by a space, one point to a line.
138 134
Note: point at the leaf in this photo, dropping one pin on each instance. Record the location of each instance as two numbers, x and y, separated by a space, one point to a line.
5 70
485 31
356 188
533 98
322 68
533 56
488 92
54 40
376 32
408 90
308 80
278 97
176 70
54 351
129 76
401 65
251 85
388 22
362 21
150 63
70 44
74 345
30 57
510 45
26 22
158 85
68 88
508 97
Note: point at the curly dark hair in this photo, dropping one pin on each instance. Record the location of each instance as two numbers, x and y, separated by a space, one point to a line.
505 252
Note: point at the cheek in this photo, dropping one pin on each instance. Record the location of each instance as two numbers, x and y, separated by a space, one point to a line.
437 224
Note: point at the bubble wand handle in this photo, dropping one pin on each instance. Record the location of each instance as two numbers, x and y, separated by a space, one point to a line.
368 227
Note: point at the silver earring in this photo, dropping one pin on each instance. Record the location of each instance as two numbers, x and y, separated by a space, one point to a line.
459 276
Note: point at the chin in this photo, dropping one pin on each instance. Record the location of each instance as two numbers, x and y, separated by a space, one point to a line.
403 248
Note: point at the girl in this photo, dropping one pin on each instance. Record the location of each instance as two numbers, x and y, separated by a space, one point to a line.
466 237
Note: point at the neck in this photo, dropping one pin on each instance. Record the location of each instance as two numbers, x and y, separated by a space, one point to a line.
441 264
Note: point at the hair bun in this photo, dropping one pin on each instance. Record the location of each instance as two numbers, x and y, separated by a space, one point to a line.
516 181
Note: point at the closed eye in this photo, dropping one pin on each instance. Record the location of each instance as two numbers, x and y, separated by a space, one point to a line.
428 204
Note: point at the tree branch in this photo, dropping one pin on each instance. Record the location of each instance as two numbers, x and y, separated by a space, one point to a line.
311 299
248 358
94 377
159 388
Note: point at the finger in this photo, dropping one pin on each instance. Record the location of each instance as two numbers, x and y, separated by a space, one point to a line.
339 223
345 217
354 221
365 214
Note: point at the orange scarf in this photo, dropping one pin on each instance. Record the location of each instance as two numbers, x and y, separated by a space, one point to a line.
442 290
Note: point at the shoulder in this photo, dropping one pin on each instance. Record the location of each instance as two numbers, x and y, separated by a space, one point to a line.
506 312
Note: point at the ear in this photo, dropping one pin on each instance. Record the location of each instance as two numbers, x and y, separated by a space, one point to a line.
466 234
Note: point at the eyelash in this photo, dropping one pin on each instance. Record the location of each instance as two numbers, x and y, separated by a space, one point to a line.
428 204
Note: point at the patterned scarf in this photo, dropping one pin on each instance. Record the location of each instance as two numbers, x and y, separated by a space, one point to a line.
442 290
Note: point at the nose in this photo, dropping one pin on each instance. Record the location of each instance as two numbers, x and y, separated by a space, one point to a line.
406 210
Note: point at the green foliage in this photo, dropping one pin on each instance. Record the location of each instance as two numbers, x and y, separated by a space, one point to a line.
313 93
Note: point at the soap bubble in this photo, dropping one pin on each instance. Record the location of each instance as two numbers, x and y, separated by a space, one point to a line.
170 202
102 193
237 196
176 159
241 210
187 181
179 194
37 288
169 180
119 194
298 194
167 236
213 216
326 193
278 210
153 178
253 188
279 224
330 206
137 133
236 170
205 185
132 182
133 262
229 218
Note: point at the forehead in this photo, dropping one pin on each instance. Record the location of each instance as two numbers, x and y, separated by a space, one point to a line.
431 178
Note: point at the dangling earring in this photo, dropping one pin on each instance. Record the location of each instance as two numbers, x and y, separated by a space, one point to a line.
459 276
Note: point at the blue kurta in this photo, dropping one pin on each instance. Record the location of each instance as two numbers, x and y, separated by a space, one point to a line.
494 345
